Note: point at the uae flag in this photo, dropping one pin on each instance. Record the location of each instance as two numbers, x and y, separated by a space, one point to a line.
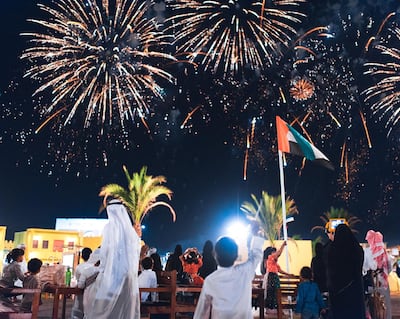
291 141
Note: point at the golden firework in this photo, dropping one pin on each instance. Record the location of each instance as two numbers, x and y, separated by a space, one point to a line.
99 57
302 89
384 95
228 36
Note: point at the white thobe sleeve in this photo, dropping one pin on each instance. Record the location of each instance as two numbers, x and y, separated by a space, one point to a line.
203 308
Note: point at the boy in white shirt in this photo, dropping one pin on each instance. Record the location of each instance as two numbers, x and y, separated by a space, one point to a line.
226 293
148 279
77 308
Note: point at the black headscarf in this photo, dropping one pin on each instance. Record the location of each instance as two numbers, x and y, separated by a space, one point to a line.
345 259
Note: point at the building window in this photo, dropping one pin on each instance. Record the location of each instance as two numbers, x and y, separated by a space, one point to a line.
58 245
45 244
35 243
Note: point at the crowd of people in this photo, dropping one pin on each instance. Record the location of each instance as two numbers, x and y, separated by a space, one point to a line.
112 275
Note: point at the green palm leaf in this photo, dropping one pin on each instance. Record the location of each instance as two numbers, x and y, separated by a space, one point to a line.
141 195
338 213
268 213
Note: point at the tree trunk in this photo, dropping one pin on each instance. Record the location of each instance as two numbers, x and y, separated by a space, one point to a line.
138 228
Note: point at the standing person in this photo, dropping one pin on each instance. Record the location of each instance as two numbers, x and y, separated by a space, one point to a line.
226 293
331 236
157 265
174 261
148 279
115 292
382 260
209 262
77 308
309 302
273 282
263 267
345 262
319 268
144 252
12 272
31 281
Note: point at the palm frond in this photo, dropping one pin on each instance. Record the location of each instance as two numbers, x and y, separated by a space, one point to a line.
141 194
334 212
268 212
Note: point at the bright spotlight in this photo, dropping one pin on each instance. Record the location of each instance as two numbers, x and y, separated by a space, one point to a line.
238 230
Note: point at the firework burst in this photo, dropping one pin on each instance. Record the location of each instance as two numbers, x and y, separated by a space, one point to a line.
302 89
385 94
228 36
99 58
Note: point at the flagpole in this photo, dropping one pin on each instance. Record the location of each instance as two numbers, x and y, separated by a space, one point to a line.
283 197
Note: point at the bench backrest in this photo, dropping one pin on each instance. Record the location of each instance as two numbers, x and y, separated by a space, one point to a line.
286 295
11 311
166 290
169 296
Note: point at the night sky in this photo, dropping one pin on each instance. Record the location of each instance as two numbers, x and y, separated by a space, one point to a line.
59 171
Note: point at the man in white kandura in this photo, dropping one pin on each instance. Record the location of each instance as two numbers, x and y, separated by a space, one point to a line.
116 290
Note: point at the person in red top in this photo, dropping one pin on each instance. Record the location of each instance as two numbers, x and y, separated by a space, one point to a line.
273 282
191 262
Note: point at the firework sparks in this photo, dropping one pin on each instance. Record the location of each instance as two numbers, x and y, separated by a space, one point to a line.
384 95
232 35
188 117
102 57
302 89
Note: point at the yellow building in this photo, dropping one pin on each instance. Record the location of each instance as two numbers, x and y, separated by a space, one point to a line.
51 246
3 230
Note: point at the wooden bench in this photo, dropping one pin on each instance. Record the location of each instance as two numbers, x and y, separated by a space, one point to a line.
258 295
166 291
187 298
181 300
286 295
10 310
64 292
170 301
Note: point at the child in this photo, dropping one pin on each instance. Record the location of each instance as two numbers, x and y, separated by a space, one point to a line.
309 302
273 281
226 293
12 272
148 279
77 308
31 280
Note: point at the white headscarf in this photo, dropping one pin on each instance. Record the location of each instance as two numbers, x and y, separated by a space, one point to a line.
116 287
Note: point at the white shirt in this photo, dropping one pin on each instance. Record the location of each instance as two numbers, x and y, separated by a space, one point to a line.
148 279
77 308
226 292
369 261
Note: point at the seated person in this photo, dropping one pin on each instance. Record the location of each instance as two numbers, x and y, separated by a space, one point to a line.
77 308
148 279
31 281
12 272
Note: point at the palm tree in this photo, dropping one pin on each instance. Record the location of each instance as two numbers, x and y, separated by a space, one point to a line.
141 195
268 212
338 213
